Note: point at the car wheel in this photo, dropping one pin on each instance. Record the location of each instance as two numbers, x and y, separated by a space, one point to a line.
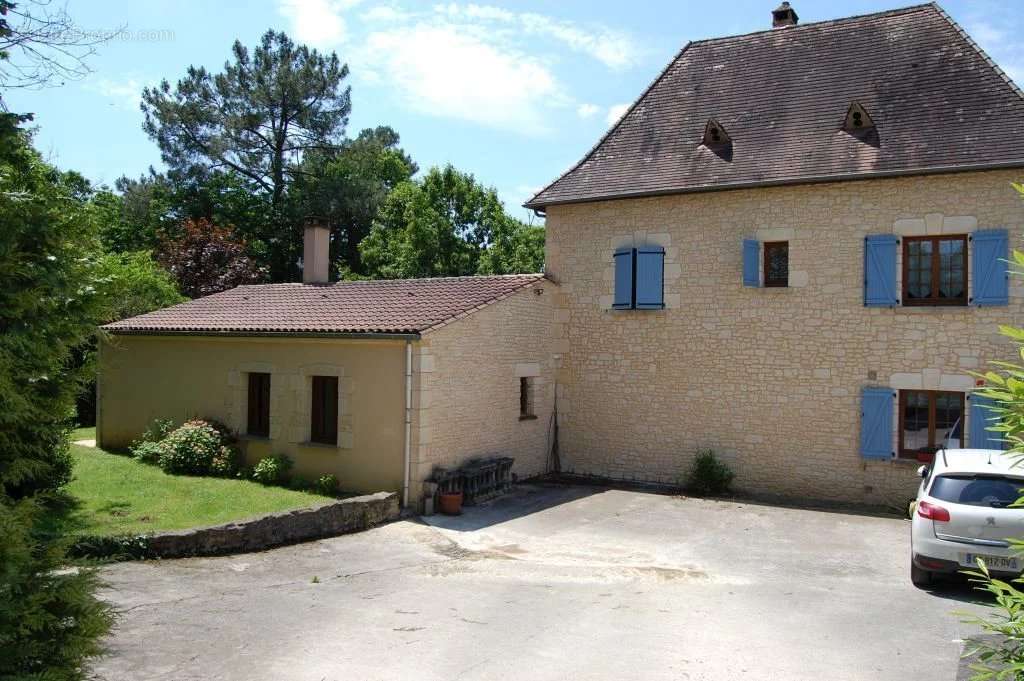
922 579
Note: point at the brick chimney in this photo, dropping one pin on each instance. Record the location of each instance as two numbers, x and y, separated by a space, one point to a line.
783 16
316 252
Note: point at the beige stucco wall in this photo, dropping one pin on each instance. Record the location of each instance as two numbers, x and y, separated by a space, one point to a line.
467 380
768 378
143 378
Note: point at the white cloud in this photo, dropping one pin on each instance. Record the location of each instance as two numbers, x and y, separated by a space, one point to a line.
587 110
124 94
615 112
612 48
384 14
444 70
317 22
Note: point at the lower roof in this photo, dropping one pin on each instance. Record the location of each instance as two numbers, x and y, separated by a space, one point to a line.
379 307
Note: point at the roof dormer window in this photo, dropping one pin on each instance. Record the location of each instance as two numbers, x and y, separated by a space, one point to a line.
857 119
715 135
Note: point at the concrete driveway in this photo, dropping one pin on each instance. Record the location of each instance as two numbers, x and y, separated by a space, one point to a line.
550 583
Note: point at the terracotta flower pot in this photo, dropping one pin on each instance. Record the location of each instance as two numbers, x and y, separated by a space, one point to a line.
925 457
451 503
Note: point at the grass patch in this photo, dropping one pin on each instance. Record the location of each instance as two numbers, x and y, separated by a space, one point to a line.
114 494
83 434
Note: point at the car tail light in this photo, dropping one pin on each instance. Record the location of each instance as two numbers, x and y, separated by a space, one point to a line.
936 513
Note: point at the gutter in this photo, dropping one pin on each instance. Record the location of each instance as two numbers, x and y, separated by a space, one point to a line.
820 179
262 334
408 423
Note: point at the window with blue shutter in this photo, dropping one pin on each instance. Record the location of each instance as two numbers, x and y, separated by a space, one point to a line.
650 278
876 409
751 262
623 279
990 271
880 270
981 417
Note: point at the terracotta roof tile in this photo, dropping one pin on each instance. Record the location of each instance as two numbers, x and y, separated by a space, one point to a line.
403 306
939 104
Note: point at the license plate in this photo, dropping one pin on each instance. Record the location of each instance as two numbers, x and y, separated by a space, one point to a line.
999 563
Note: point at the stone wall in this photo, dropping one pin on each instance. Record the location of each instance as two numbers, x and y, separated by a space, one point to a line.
768 378
466 398
329 519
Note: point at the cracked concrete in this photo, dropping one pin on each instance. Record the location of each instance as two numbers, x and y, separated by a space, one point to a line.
550 583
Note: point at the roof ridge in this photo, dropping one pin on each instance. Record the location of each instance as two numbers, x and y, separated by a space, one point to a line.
818 24
535 275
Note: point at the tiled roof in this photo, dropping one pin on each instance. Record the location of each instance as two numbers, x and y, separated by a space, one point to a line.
939 104
400 306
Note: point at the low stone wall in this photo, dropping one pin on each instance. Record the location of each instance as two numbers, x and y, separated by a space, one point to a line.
277 529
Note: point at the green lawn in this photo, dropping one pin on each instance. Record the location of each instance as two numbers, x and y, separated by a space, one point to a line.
118 495
83 434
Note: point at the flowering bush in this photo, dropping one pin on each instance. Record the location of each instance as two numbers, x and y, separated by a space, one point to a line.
198 448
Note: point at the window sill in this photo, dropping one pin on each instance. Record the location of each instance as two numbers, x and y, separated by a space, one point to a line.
254 438
925 309
319 445
528 417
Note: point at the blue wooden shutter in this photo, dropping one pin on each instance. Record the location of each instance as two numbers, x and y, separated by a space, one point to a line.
876 407
982 416
751 262
880 270
990 271
650 278
623 279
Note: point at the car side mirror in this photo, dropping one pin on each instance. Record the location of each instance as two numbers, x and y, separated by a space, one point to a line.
922 472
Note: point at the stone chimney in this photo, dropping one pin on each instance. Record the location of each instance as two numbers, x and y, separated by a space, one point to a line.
783 16
316 252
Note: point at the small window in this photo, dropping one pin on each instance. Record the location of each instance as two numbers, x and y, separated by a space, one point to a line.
259 405
935 270
930 419
526 398
776 263
324 421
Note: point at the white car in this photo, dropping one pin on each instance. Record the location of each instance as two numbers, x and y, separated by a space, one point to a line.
963 514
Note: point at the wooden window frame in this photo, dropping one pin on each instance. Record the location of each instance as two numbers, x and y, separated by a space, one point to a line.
258 405
323 416
766 247
903 453
526 394
936 270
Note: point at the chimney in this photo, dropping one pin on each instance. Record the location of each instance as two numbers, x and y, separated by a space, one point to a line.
316 251
783 16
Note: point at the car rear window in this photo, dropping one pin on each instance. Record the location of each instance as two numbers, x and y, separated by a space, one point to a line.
977 490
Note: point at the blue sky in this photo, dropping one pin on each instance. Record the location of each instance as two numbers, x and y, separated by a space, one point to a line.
514 92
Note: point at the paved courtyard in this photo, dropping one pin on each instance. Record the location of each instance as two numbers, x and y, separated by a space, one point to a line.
550 583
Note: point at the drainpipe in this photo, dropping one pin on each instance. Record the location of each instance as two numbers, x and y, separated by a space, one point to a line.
408 421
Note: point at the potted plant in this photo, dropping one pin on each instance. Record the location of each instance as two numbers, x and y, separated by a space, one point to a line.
451 502
925 457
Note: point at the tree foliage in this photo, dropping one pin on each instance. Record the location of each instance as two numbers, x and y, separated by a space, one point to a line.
257 118
50 621
447 224
207 258
347 187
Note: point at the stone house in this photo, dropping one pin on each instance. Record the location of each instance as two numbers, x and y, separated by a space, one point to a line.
790 250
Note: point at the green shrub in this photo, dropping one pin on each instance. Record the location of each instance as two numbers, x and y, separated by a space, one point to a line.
327 485
157 430
272 470
147 452
107 547
191 449
709 476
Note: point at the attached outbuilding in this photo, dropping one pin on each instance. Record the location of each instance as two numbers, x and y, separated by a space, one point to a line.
377 382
